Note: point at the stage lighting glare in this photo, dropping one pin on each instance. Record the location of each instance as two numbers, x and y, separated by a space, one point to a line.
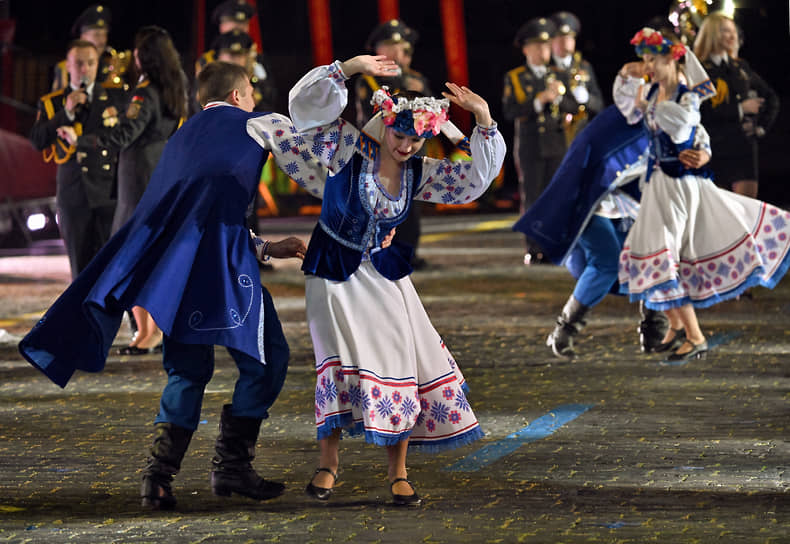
36 221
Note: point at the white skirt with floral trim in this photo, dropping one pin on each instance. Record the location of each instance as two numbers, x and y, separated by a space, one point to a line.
382 369
693 242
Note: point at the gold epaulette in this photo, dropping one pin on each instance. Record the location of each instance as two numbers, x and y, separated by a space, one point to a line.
47 100
205 59
53 94
144 83
518 90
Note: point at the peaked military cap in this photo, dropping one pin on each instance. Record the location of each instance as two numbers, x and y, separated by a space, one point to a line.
539 29
567 23
392 31
96 16
235 41
238 10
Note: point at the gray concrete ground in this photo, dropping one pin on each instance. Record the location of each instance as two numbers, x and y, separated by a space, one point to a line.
648 452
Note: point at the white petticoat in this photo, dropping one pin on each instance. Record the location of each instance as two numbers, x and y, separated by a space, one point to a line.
696 243
381 367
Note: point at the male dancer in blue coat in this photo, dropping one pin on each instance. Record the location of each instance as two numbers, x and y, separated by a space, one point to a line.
187 257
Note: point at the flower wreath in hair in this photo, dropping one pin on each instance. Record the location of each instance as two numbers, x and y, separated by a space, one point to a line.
649 40
422 116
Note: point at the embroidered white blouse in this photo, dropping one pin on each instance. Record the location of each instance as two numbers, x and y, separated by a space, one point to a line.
315 105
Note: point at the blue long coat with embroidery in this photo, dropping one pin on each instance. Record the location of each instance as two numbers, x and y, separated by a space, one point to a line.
185 255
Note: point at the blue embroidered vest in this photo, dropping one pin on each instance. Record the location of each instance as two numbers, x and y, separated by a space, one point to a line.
664 152
346 227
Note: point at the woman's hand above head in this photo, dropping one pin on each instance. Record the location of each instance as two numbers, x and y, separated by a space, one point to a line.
468 100
371 65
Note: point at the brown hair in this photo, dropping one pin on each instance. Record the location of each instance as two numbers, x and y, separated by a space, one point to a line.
80 44
161 64
709 35
218 79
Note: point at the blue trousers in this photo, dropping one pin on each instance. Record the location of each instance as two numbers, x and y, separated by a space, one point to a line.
600 244
189 368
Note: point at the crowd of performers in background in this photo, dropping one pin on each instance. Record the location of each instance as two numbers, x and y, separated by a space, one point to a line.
624 196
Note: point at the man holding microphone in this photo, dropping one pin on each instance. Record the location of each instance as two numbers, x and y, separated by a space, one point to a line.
85 186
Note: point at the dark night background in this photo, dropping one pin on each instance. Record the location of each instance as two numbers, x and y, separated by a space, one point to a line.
43 30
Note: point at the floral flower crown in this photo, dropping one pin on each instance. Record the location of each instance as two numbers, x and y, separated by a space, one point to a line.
649 40
422 116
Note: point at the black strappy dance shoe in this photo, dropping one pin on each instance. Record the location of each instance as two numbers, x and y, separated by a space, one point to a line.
672 345
404 500
320 493
698 351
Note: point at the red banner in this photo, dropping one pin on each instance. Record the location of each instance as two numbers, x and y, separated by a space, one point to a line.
454 30
389 9
255 26
199 26
7 114
320 31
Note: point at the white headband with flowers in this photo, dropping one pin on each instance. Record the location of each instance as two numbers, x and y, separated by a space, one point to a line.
422 116
648 40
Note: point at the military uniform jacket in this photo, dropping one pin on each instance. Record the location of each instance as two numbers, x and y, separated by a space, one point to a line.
540 134
140 137
596 103
95 173
734 80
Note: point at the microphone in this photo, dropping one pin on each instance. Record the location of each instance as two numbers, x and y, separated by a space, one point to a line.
83 87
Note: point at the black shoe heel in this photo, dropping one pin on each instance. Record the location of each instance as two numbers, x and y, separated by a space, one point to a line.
133 350
698 351
672 345
404 500
320 493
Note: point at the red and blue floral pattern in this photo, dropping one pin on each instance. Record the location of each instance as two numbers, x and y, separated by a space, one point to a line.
758 258
434 415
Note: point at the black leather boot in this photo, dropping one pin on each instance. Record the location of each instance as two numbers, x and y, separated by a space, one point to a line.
652 328
170 445
569 323
233 472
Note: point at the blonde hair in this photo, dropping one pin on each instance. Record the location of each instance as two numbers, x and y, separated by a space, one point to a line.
709 36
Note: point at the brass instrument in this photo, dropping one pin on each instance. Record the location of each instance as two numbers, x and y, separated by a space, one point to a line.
578 78
118 65
550 78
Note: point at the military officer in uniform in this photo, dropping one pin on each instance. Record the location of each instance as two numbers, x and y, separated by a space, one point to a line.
228 16
535 99
395 40
237 47
85 185
93 25
579 73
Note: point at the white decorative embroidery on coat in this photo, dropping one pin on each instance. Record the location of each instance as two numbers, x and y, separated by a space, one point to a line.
236 319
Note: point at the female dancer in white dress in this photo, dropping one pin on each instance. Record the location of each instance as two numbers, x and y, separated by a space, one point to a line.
382 369
693 244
